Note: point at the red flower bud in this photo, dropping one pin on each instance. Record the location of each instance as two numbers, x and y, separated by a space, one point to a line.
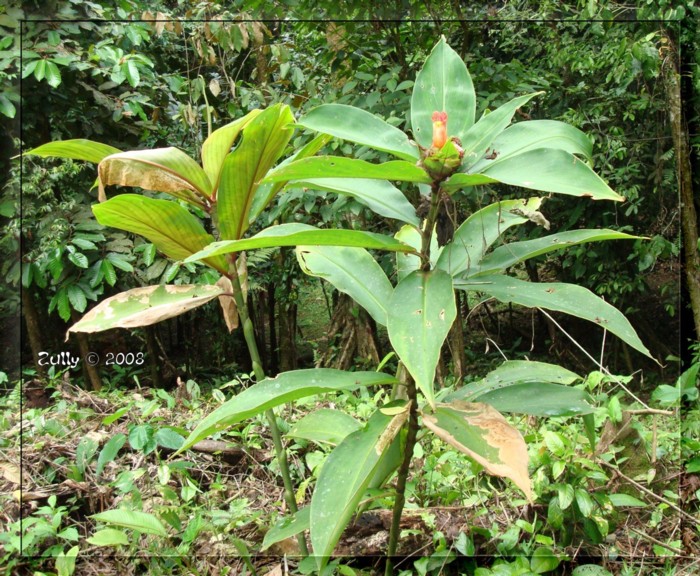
439 129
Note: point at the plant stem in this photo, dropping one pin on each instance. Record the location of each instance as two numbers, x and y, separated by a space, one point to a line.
400 498
412 395
282 458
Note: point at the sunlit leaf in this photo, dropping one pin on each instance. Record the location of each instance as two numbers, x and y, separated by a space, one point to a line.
144 306
324 426
78 149
139 521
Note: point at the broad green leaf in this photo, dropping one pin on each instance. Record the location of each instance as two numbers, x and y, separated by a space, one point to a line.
407 263
479 138
380 196
175 231
539 399
569 298
476 234
109 452
442 85
285 387
514 372
590 570
262 143
551 170
420 314
167 170
267 191
544 560
325 426
302 234
108 537
461 180
65 561
287 527
78 149
168 438
533 134
361 127
219 144
344 477
352 271
53 74
482 433
340 167
510 254
144 306
139 521
625 500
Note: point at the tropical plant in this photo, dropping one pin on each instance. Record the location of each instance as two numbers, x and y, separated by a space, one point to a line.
450 152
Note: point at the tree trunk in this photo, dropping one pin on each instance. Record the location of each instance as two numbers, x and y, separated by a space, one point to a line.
152 350
689 218
90 372
31 320
456 345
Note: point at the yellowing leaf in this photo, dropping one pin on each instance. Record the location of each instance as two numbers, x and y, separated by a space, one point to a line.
144 306
482 433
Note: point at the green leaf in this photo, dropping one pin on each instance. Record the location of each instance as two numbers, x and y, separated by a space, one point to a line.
40 70
356 125
339 167
420 314
482 433
119 262
585 502
569 298
461 180
544 560
77 297
141 438
80 260
167 170
263 141
108 537
285 387
53 74
344 477
551 170
84 244
144 306
510 254
590 570
287 527
443 85
539 399
267 191
175 231
109 452
65 561
7 108
533 134
352 271
325 426
514 372
302 234
78 149
478 232
620 500
479 138
565 495
219 144
168 438
131 71
84 453
380 196
139 521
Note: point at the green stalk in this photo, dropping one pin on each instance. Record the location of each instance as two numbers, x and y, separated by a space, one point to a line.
411 393
282 458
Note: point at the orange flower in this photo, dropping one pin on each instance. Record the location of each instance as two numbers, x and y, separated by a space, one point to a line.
439 129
